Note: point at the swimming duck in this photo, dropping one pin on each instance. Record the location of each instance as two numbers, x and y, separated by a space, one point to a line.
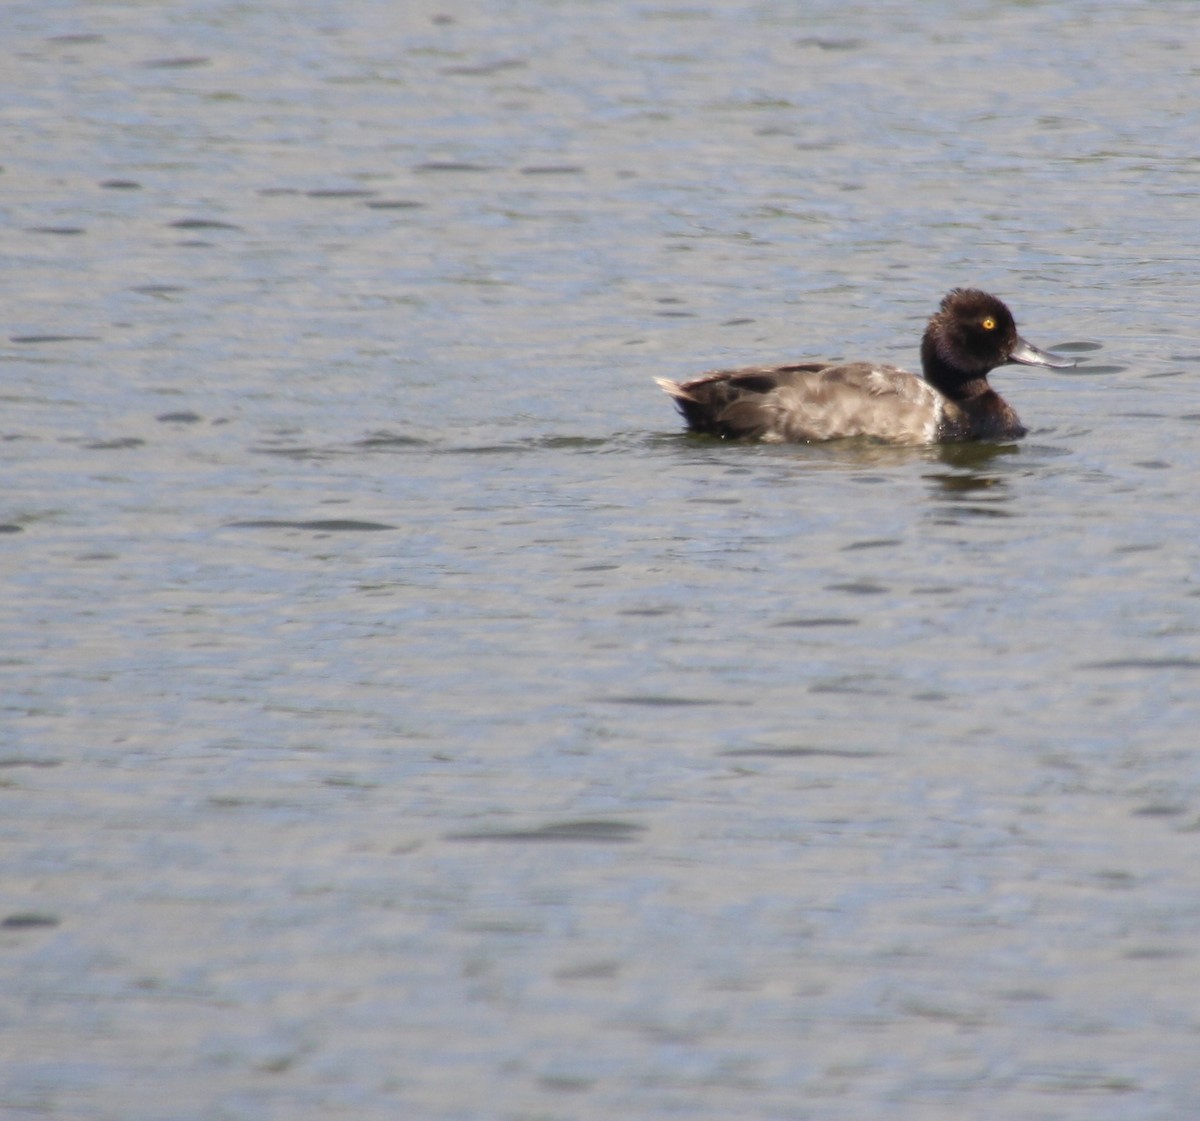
969 335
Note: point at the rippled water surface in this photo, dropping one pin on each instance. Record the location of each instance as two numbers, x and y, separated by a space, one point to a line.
403 719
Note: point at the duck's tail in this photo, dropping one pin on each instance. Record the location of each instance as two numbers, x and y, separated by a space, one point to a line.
695 408
674 389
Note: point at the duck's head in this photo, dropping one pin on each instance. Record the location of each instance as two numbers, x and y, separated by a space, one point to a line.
971 334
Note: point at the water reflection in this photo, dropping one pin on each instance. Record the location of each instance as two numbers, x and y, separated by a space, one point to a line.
973 456
976 485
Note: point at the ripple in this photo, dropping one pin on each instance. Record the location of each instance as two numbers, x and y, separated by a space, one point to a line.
34 339
552 169
201 224
117 443
657 700
799 753
181 62
322 525
29 920
340 193
607 832
1143 663
818 621
394 204
483 69
451 166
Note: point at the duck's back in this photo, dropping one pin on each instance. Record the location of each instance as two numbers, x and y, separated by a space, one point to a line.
812 401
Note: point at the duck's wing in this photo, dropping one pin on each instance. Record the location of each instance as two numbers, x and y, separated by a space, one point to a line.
811 401
724 402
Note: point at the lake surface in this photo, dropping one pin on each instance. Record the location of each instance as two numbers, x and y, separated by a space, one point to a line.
402 718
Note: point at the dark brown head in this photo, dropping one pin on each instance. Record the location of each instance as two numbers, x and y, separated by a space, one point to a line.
970 335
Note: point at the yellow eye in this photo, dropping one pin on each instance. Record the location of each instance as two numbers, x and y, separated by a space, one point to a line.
989 324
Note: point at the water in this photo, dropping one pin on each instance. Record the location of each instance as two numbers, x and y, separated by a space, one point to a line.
402 718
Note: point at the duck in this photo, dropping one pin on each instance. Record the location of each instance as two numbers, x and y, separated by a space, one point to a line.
970 334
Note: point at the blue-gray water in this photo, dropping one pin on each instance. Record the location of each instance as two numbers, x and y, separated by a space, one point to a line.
402 719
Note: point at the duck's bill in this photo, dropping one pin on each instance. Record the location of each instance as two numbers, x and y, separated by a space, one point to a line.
1029 355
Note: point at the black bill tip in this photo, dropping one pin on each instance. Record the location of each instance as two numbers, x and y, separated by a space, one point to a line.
1029 355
